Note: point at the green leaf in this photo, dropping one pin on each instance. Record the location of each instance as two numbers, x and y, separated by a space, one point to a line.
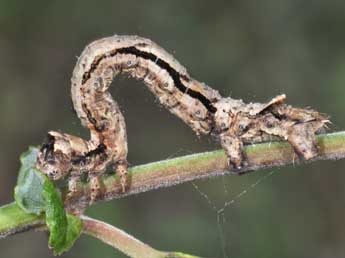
56 218
73 231
30 183
64 229
35 193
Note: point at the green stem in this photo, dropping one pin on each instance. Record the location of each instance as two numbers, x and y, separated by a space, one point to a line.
175 171
204 165
14 220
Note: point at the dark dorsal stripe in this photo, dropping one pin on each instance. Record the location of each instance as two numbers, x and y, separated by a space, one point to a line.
85 159
176 76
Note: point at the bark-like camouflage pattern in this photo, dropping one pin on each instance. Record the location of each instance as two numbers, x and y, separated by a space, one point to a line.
231 121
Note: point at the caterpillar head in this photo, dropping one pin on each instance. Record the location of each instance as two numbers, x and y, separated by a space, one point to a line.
58 153
54 158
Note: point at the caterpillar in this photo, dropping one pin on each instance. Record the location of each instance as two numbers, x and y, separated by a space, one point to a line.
231 122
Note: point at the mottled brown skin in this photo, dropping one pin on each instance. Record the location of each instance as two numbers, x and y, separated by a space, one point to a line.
202 108
238 123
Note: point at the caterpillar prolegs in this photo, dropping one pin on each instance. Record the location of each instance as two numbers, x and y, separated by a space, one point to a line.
230 121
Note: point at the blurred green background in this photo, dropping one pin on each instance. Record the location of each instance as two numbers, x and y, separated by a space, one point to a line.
246 49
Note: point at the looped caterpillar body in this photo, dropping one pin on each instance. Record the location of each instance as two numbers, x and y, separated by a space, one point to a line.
198 105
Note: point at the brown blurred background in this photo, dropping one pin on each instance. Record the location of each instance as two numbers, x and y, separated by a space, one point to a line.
247 49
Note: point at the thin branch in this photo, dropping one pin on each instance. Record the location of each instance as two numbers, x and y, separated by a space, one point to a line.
14 220
179 170
205 165
124 242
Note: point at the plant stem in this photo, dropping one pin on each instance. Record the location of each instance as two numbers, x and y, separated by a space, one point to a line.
175 171
124 242
204 165
14 220
118 239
